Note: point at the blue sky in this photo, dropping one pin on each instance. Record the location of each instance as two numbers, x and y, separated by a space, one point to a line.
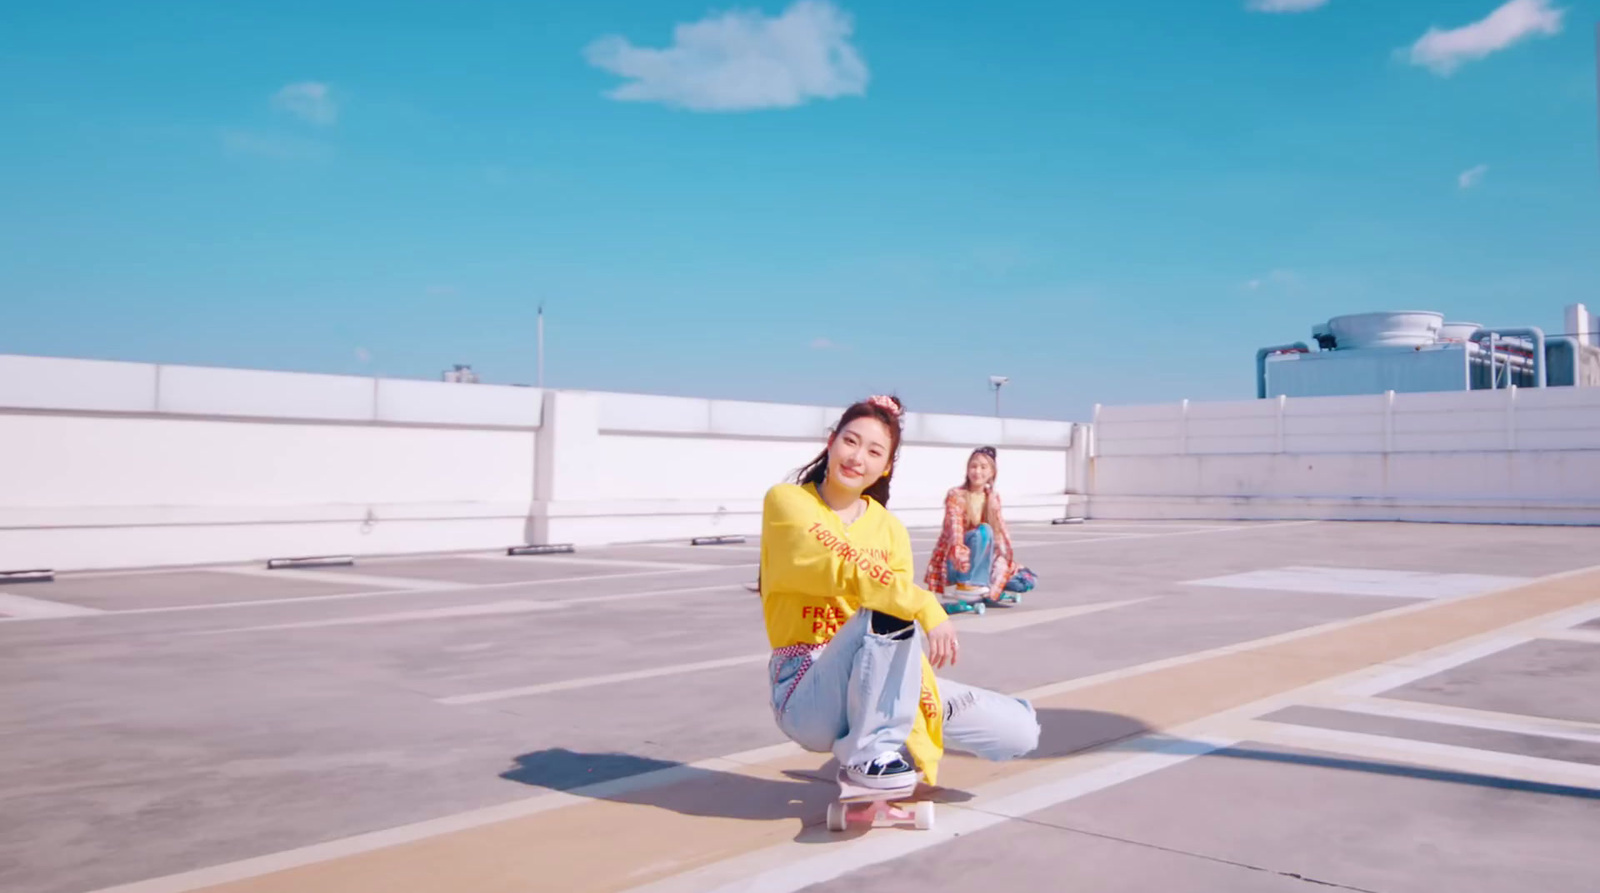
1108 202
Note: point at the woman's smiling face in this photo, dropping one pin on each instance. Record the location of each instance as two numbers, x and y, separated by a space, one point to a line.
859 453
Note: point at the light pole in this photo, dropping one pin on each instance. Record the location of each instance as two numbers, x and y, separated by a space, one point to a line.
997 382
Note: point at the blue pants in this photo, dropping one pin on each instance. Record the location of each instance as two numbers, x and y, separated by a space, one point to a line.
980 543
861 695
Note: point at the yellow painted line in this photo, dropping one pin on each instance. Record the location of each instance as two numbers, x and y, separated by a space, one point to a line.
635 837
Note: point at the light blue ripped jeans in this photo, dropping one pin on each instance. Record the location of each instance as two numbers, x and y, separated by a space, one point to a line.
859 697
980 545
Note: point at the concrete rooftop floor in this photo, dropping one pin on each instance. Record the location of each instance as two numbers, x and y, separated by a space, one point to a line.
1226 707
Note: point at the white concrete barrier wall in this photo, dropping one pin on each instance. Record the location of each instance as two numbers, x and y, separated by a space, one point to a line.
1520 455
628 467
108 464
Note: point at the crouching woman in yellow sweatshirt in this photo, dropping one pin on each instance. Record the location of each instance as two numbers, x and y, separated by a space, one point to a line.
850 674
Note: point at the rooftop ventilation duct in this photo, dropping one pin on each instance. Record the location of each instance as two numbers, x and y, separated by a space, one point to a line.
1390 328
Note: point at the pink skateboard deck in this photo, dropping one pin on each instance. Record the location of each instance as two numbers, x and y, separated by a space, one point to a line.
868 806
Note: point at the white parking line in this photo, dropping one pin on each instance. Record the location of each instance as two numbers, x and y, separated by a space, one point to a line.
21 607
516 606
987 626
1445 757
1113 766
602 562
257 866
1092 525
793 866
1362 581
725 547
409 586
1372 680
590 681
412 583
1592 636
796 865
486 610
386 593
1078 539
1005 620
1469 718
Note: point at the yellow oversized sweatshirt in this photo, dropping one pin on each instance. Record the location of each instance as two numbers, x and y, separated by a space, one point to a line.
816 574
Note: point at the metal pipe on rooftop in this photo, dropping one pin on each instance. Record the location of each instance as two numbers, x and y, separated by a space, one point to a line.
1261 363
1534 332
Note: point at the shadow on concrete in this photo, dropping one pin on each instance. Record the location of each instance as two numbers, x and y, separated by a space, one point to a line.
1066 732
560 769
1352 764
678 787
802 795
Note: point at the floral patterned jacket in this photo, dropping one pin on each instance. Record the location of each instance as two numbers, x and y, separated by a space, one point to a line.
952 544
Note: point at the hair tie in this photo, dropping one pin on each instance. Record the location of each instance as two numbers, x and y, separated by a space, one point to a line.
885 403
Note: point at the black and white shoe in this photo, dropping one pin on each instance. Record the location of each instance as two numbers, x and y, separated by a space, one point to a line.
886 771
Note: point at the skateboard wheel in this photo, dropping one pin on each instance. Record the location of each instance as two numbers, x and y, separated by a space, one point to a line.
924 816
838 819
979 608
1016 599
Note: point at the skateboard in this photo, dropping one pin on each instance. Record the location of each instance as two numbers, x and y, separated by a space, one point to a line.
866 806
979 600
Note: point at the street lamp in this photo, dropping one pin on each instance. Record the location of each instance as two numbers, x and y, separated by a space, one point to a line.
997 382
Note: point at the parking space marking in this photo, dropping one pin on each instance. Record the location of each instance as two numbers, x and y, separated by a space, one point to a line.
1468 718
1004 620
607 679
22 607
411 583
1363 581
585 561
515 606
388 593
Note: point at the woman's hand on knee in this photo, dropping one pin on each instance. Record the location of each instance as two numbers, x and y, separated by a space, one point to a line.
943 649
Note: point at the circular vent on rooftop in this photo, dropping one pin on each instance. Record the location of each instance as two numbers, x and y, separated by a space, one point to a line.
1390 328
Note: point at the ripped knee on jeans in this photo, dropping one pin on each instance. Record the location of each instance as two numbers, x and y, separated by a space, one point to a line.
891 626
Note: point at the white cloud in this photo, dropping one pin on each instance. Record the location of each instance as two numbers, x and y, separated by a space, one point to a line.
1444 51
1279 278
1285 5
1472 176
272 145
823 344
309 101
741 61
363 355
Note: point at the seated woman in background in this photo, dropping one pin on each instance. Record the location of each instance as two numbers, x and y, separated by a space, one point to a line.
973 557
